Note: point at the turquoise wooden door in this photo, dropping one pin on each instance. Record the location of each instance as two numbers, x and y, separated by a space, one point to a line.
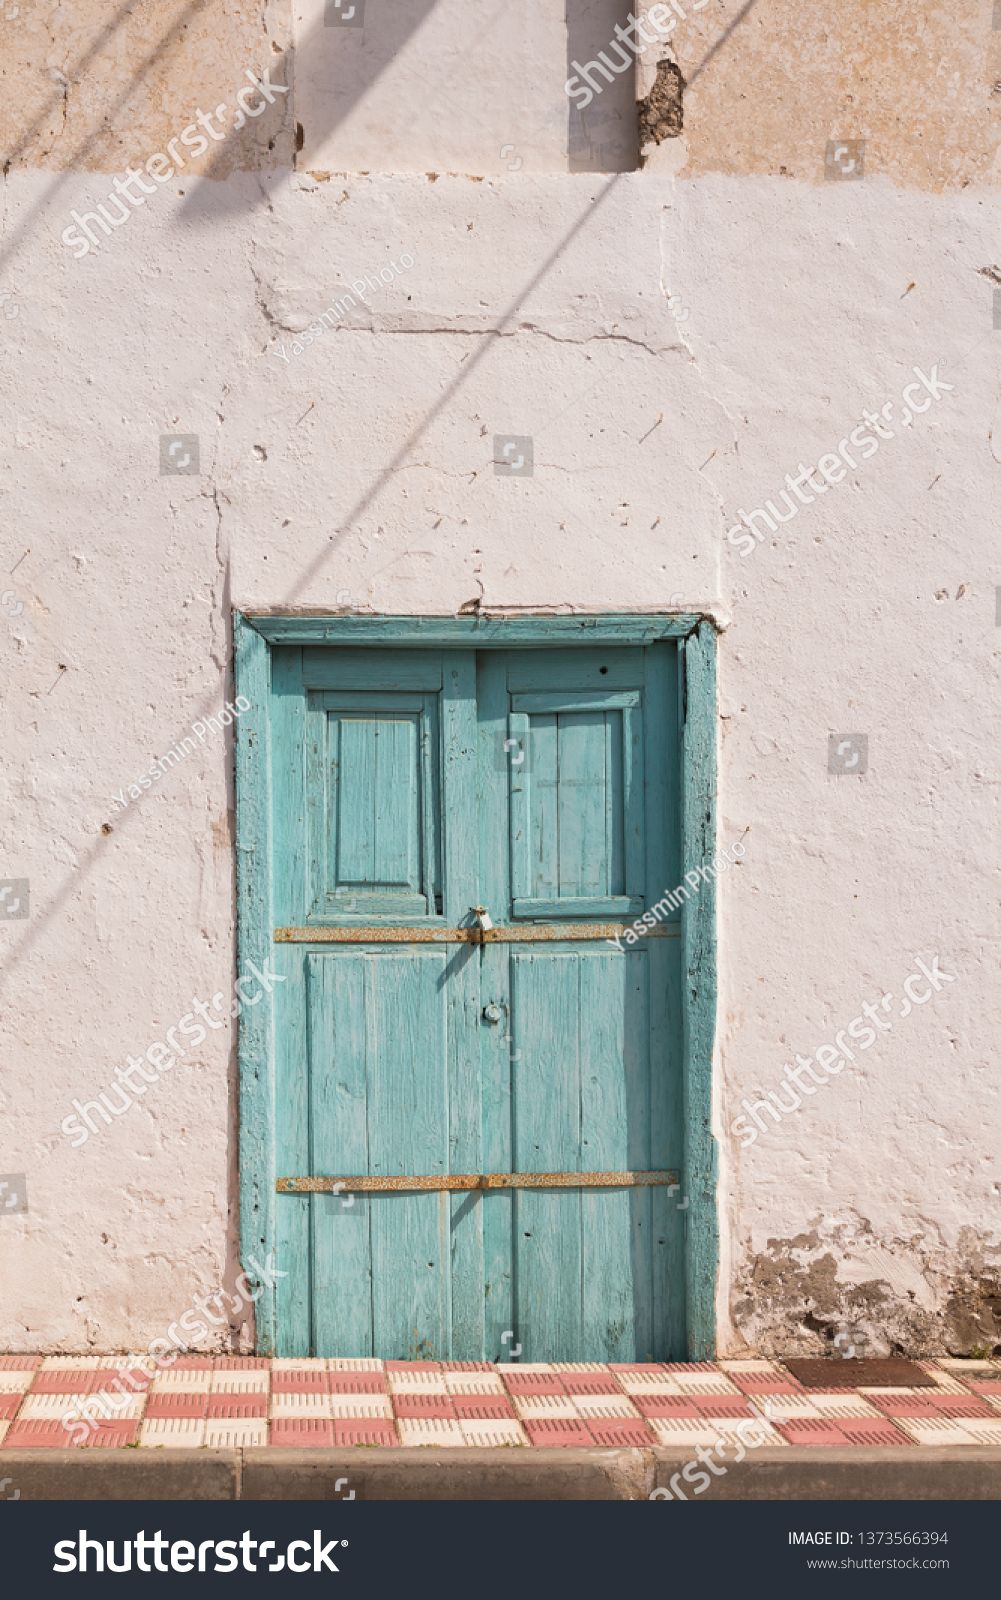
410 787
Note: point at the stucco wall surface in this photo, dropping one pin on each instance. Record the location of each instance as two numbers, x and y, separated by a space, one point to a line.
675 341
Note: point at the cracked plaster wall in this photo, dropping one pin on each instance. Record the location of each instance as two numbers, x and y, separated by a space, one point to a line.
538 304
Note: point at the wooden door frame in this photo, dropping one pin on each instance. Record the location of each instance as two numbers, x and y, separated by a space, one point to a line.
254 635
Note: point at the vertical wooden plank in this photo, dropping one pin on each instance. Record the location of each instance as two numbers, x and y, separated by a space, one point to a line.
289 739
252 670
583 865
547 1132
699 940
615 1137
406 1074
322 757
616 809
663 869
341 1251
496 779
636 825
519 727
463 1213
541 788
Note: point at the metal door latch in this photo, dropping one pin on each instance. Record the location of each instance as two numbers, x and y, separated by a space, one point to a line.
492 1013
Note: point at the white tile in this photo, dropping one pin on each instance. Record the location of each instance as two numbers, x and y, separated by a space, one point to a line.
173 1433
86 1405
604 1405
752 1366
430 1430
753 1434
951 1364
15 1382
360 1405
253 1382
299 1364
785 1406
353 1364
535 1407
578 1366
843 1405
936 1430
983 1431
416 1383
646 1383
525 1366
704 1383
473 1383
491 1431
301 1405
198 1381
230 1433
76 1363
3 1431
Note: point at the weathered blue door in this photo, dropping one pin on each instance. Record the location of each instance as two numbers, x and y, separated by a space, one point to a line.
460 837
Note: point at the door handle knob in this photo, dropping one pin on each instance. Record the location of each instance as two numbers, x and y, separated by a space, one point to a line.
492 1013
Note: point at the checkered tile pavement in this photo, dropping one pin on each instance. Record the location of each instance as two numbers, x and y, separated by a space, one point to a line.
247 1400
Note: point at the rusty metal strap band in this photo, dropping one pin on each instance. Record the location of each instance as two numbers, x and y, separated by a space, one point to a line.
477 1180
529 934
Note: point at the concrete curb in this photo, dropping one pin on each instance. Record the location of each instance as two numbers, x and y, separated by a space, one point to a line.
965 1472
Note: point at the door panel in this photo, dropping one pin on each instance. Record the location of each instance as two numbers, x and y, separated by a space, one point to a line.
400 803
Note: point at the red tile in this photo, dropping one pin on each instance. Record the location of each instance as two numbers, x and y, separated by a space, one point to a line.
482 1405
962 1405
903 1405
666 1405
636 1366
558 1431
722 1405
591 1383
991 1386
872 1430
422 1405
413 1366
10 1403
533 1383
238 1364
241 1407
19 1363
304 1380
810 1430
296 1431
113 1435
167 1404
34 1433
761 1383
691 1366
356 1383
69 1380
619 1430
364 1430
192 1364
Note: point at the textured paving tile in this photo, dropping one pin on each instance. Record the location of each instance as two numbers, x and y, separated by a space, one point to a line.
366 1401
415 1431
294 1432
491 1431
172 1433
559 1431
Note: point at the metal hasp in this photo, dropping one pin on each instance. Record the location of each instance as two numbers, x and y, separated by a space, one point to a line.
477 1180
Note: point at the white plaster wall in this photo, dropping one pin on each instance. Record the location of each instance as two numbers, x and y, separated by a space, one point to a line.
535 305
